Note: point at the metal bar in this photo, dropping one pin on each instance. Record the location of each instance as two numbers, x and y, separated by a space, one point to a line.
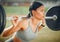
49 17
11 18
54 17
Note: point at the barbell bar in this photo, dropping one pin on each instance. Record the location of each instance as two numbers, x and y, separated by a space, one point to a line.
54 17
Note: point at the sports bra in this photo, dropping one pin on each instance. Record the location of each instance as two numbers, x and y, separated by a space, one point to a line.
28 34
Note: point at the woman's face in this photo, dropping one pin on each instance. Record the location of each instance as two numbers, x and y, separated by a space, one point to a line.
39 12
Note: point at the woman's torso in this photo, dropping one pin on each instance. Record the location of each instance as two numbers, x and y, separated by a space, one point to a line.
28 34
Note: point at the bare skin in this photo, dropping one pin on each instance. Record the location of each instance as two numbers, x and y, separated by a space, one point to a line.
23 23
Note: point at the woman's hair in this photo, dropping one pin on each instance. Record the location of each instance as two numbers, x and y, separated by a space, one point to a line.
34 6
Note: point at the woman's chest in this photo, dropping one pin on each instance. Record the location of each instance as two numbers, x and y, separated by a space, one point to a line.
30 25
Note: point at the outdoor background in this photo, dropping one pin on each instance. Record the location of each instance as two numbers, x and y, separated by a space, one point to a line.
21 8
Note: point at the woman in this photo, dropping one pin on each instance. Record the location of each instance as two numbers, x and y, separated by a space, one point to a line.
27 27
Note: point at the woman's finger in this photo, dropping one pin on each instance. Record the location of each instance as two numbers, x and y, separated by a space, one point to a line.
14 20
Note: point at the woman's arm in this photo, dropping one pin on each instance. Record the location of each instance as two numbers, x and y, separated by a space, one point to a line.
42 25
10 31
43 21
6 31
14 28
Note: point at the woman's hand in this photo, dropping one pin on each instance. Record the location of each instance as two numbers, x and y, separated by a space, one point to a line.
43 20
14 20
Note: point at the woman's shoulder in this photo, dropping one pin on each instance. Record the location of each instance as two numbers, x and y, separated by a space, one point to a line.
24 19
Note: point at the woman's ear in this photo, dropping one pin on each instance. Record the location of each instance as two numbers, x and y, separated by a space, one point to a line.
33 12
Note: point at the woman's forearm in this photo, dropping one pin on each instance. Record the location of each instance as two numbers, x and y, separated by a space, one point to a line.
42 25
43 21
6 31
12 29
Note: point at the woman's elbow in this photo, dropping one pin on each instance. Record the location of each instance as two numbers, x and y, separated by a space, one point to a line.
5 34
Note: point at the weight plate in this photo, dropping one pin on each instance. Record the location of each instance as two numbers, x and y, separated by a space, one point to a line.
2 19
54 25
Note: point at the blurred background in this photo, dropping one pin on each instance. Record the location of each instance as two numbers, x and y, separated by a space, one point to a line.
21 8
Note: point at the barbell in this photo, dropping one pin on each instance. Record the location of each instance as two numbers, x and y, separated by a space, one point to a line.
52 18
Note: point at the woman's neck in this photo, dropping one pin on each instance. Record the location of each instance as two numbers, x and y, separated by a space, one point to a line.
35 20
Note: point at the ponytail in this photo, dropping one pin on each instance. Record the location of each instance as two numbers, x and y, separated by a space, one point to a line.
29 15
